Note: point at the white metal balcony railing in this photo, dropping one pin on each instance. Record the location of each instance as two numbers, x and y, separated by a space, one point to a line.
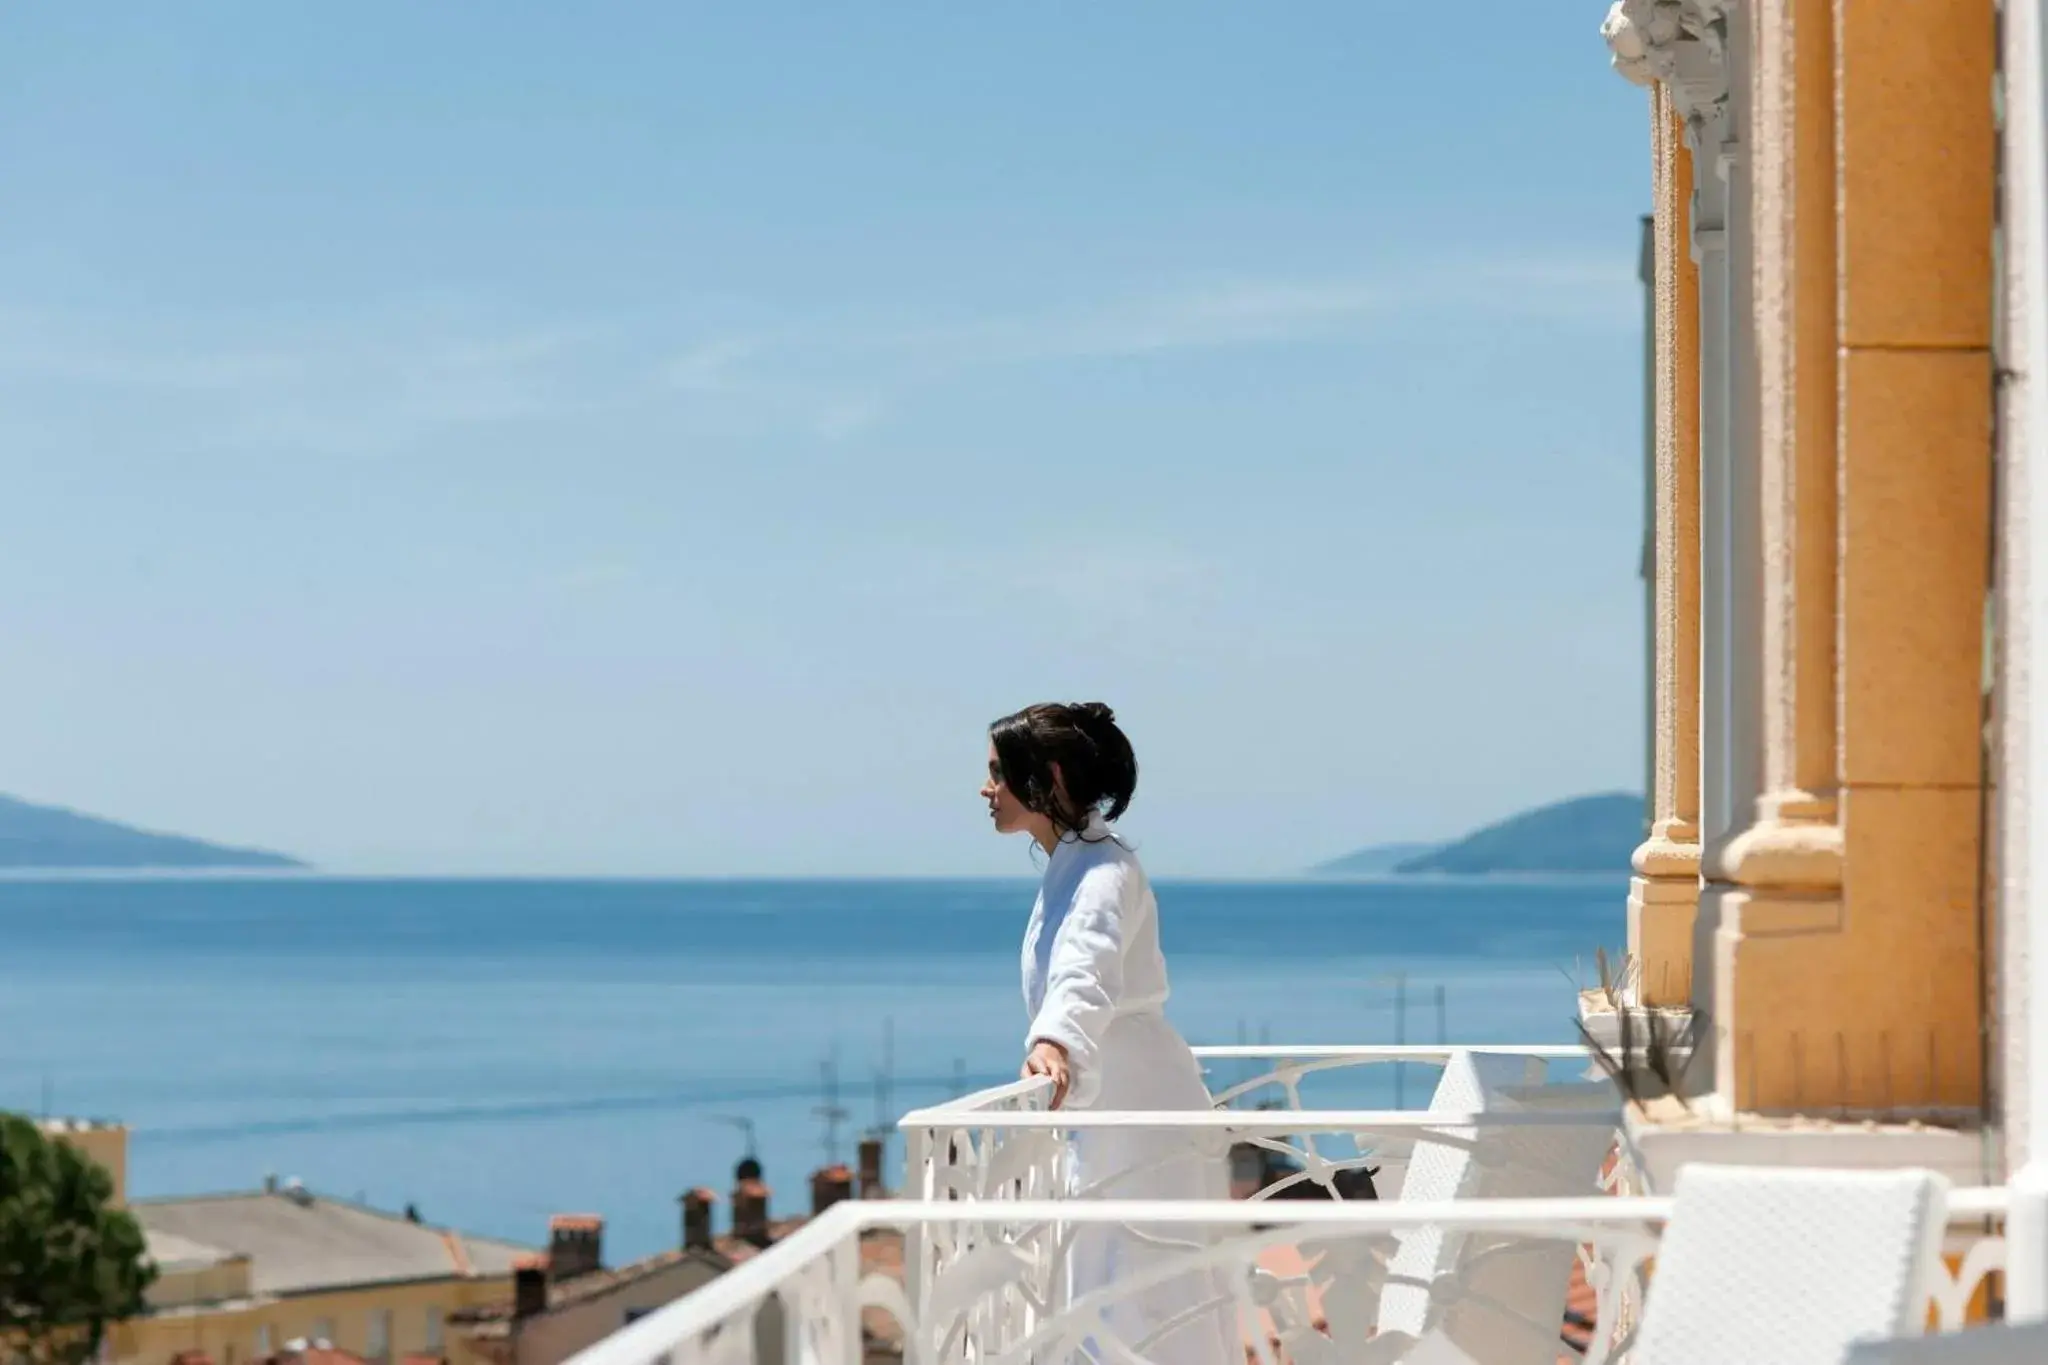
992 1218
1004 1143
1308 1282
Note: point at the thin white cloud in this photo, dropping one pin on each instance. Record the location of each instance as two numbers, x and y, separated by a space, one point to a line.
711 366
45 348
1131 577
809 368
375 385
849 417
345 387
1239 314
596 577
1077 580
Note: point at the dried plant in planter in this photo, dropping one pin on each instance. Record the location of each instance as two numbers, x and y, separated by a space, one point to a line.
1654 1051
1615 982
1616 985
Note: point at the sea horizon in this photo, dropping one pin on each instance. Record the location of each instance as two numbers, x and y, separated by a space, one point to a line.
496 1050
319 874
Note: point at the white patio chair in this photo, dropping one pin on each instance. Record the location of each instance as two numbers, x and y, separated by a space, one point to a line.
1999 1345
1790 1267
1449 1295
1497 1300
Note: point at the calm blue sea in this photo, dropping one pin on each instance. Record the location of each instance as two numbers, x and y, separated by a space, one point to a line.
496 1051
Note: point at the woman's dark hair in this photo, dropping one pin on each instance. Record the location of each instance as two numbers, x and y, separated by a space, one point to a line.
1095 761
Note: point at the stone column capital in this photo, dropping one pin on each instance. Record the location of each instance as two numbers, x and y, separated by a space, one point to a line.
1681 44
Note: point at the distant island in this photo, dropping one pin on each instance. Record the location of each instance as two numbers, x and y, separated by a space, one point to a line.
1584 834
49 839
1378 861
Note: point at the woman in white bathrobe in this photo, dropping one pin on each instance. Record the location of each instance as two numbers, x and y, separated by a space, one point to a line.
1095 988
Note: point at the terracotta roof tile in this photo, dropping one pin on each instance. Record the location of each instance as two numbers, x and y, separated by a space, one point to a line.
737 1249
312 1355
575 1222
1583 1303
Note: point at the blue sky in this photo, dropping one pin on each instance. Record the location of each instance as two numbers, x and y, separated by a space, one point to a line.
658 438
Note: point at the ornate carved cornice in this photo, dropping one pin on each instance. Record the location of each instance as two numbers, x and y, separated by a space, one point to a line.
1642 35
1680 44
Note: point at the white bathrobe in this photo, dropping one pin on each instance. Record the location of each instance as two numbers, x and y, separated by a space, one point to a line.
1095 983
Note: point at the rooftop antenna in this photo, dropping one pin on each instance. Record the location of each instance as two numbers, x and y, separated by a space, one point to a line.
1399 981
831 1111
1400 1038
1246 1069
1266 1041
885 1083
745 1125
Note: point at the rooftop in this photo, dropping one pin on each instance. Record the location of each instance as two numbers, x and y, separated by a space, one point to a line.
62 1124
300 1243
310 1355
494 1319
174 1253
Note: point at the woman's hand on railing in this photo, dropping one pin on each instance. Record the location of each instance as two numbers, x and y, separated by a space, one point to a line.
1048 1059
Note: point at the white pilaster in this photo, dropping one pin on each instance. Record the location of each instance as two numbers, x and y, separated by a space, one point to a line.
1731 507
1745 472
1684 46
1695 47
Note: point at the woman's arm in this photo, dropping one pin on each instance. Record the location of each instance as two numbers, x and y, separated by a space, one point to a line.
1084 980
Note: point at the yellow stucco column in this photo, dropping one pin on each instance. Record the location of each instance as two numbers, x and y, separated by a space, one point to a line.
1664 894
1849 961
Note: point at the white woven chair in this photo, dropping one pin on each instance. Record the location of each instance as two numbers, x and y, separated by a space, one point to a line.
1790 1267
1449 1296
1495 1300
2001 1345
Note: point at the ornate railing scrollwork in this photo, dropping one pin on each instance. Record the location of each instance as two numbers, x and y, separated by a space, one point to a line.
1307 1283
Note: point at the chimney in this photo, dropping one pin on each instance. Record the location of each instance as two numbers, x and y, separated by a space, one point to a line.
829 1186
697 1219
871 1168
529 1287
750 1212
575 1245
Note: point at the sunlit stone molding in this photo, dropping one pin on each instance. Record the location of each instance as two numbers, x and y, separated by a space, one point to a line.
1679 52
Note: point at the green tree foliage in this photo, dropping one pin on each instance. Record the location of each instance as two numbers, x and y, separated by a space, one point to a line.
71 1263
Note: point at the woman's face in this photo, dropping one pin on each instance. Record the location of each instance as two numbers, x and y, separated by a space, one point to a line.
1005 811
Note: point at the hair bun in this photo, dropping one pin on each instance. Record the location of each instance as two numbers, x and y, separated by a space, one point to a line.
1067 760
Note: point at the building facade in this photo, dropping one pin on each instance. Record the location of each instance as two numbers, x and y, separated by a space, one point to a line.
1836 479
246 1276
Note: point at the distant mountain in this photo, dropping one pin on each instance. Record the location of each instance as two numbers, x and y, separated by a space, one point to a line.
45 838
1377 861
1584 834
